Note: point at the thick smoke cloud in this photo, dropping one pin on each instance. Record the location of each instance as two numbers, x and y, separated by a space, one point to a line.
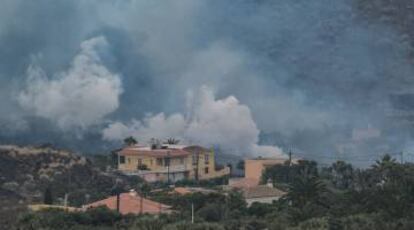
77 98
158 126
310 72
224 123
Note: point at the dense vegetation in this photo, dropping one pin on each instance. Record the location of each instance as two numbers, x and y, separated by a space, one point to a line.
335 197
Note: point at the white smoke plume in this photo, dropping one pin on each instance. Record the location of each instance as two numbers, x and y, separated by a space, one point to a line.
158 126
224 123
77 98
304 81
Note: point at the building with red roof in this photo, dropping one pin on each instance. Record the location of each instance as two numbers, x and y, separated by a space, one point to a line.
131 203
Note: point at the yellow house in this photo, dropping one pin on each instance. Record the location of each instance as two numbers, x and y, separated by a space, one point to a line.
169 162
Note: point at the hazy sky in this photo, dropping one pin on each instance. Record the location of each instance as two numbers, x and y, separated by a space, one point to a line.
248 76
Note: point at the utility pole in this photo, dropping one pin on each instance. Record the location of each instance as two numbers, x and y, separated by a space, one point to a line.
290 164
118 201
116 190
168 167
160 207
141 204
197 156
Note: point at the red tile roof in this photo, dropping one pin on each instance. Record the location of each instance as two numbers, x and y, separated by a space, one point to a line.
243 183
130 203
262 191
188 190
182 190
196 148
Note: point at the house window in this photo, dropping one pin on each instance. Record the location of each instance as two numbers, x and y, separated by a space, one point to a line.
206 158
167 161
206 170
122 159
139 162
159 161
182 161
195 160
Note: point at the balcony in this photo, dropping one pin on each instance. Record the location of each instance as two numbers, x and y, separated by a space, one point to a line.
173 168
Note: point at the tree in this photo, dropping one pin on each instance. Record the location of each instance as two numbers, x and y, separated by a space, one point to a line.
306 189
259 209
48 196
236 203
212 212
144 189
149 223
306 197
384 168
172 141
394 188
130 141
342 174
385 162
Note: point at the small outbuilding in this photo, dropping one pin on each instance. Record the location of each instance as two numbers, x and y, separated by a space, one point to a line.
131 203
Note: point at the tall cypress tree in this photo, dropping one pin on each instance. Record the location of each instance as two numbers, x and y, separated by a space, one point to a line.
48 196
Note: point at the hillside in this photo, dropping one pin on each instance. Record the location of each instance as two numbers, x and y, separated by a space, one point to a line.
26 172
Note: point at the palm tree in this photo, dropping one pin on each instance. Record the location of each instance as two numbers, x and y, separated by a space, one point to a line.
385 162
394 187
383 168
343 174
306 197
172 141
129 141
306 189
